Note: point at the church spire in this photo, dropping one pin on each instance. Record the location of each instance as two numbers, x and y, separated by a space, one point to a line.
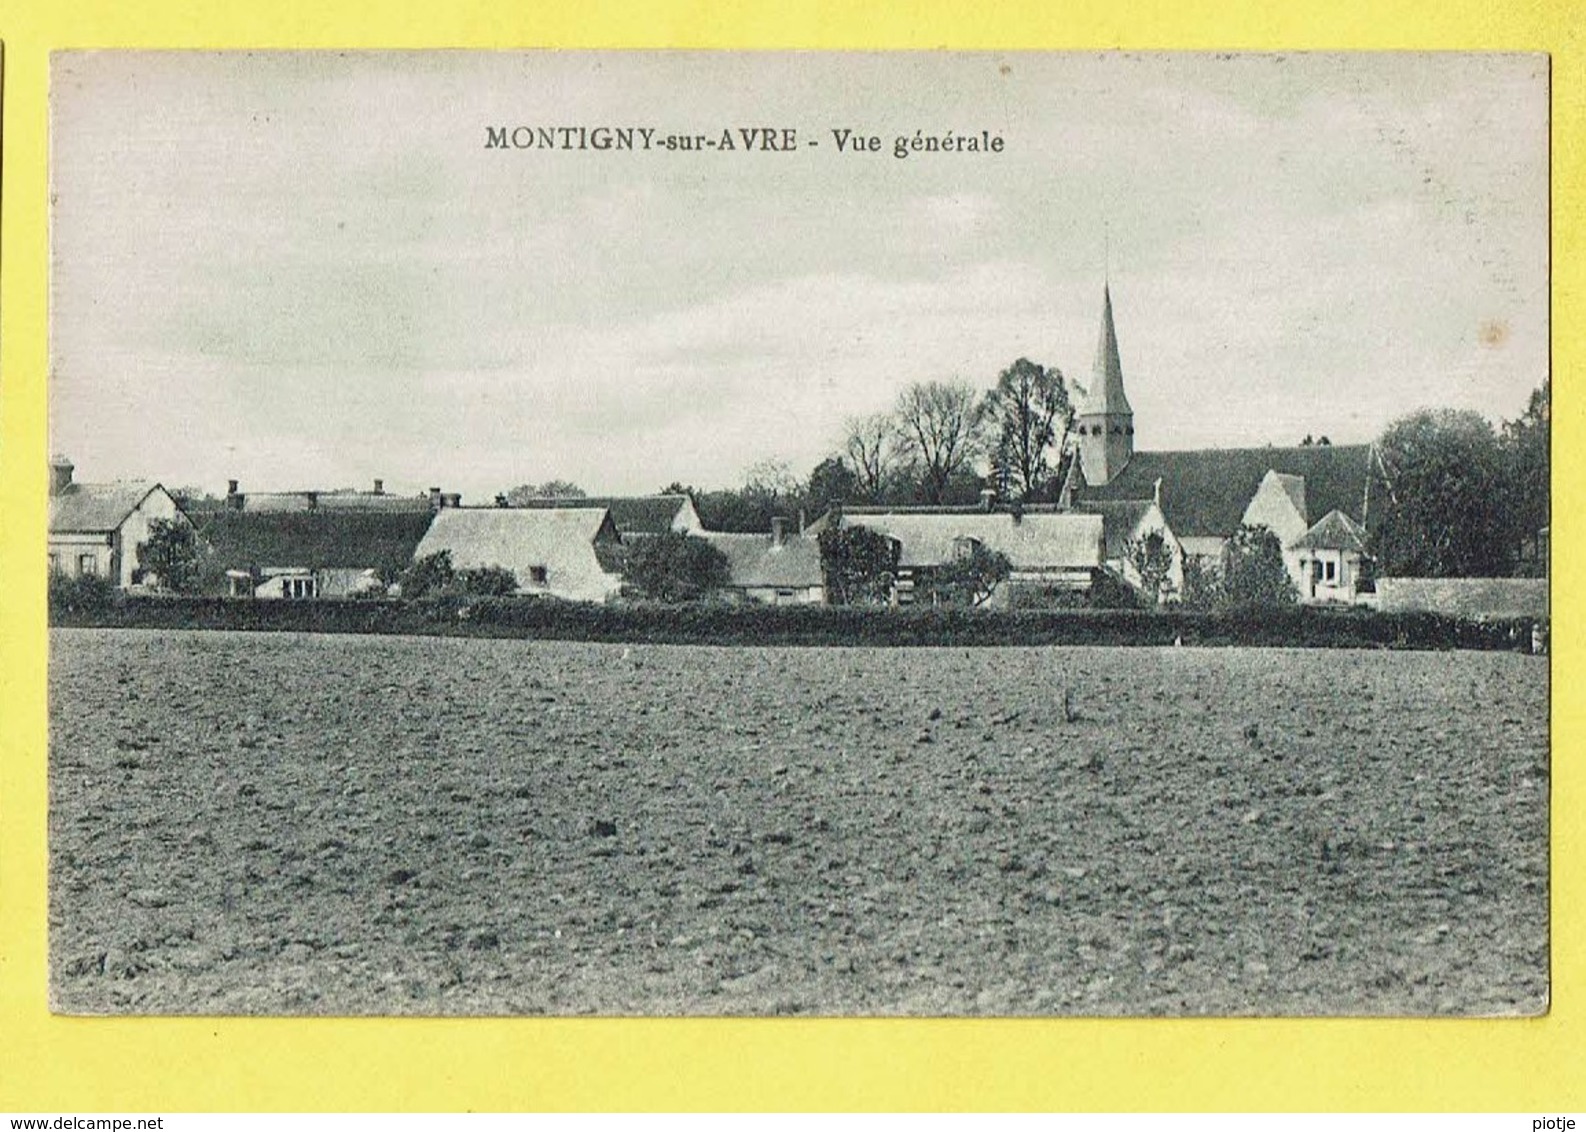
1105 421
1106 379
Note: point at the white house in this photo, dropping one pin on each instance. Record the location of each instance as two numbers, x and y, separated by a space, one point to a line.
566 552
774 569
1048 549
96 528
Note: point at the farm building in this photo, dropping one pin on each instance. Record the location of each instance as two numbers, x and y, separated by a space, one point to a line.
318 552
774 569
96 528
632 514
1205 495
565 552
1048 549
338 499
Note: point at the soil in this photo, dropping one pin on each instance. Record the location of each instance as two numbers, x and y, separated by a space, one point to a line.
301 824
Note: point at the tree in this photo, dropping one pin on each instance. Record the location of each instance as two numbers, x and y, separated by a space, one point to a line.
550 489
1253 571
871 446
1031 414
430 575
941 426
831 480
1202 584
1442 513
674 567
170 555
972 577
859 565
1152 559
1527 465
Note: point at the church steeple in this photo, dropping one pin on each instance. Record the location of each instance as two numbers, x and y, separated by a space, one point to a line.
1105 420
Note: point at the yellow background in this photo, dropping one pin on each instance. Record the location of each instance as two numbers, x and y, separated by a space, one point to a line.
64 1064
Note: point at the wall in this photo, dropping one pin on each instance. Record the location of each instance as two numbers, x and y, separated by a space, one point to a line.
135 530
1480 598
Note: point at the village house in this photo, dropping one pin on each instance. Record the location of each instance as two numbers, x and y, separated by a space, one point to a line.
574 553
1205 495
1049 550
96 528
775 569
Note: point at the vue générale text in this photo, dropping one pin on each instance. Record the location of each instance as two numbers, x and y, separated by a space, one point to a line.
738 139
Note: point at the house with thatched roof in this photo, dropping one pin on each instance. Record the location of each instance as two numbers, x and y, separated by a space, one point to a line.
574 553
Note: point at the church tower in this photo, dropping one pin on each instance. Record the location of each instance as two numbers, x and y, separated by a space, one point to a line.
1105 422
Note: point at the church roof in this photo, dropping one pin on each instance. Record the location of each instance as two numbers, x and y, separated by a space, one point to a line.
1106 380
1335 531
1205 491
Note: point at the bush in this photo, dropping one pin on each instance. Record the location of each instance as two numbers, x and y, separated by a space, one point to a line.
716 624
486 581
431 574
1253 570
84 593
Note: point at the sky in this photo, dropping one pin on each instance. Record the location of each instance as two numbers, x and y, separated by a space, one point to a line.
306 270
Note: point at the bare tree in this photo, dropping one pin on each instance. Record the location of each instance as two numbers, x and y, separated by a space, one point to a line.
1030 411
871 446
941 426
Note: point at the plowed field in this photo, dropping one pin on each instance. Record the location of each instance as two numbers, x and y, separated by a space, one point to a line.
282 823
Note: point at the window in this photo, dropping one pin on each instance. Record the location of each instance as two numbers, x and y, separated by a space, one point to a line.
88 565
964 548
537 575
55 563
1330 571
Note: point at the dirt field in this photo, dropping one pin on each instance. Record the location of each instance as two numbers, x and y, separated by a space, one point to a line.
276 823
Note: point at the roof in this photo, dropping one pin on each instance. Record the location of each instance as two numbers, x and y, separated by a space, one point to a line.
1066 540
1106 380
1205 491
633 514
1335 531
272 501
245 540
754 561
1120 518
560 539
1294 487
97 507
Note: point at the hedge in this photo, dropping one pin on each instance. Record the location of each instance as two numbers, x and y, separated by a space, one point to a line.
709 624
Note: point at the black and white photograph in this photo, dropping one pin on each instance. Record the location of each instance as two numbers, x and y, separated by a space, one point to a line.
670 533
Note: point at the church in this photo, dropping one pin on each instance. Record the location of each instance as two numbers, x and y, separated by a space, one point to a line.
1314 497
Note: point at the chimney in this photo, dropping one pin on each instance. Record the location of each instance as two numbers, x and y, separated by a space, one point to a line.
501 499
988 499
234 497
379 487
1156 491
435 499
60 474
452 499
313 499
231 487
802 523
778 530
